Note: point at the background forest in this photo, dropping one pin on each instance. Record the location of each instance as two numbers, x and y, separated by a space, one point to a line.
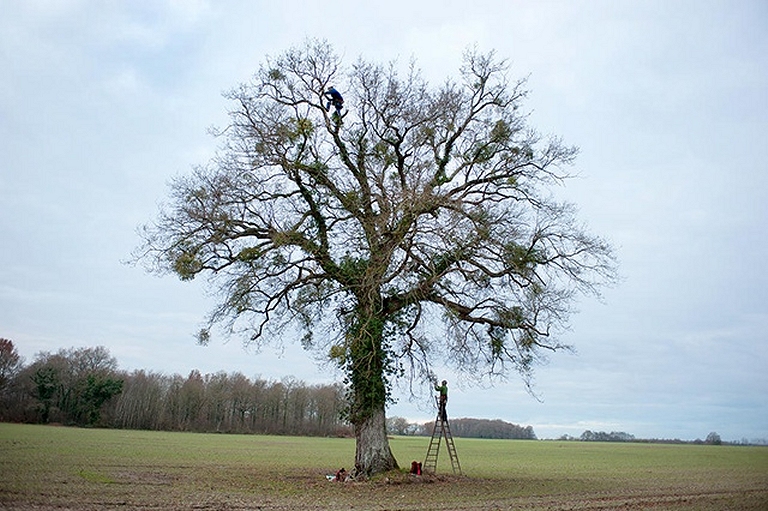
85 387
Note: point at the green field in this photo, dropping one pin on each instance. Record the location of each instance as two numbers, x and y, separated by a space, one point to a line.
46 467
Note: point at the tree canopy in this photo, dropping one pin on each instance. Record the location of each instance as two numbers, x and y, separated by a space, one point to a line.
417 226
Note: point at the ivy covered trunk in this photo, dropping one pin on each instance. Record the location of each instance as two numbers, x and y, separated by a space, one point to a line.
367 364
372 452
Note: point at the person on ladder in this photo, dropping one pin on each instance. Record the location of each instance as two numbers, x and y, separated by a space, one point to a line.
442 400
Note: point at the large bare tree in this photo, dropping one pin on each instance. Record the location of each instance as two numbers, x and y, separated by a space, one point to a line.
416 227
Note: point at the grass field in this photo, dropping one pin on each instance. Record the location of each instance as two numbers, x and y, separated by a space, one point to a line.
46 468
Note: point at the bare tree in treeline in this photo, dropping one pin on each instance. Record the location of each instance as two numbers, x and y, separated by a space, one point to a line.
10 362
230 403
10 365
84 387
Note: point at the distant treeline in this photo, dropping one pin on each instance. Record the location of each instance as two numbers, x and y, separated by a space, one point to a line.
712 438
467 428
482 428
84 387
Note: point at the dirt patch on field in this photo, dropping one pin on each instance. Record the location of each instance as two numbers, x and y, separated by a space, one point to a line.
129 490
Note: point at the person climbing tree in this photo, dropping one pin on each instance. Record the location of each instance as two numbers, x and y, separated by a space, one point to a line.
335 99
443 399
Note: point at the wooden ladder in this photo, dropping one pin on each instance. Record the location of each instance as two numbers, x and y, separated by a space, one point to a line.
441 430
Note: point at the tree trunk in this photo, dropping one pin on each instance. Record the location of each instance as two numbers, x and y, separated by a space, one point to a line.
368 365
372 452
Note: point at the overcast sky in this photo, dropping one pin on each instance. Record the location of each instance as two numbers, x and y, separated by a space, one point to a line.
102 103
